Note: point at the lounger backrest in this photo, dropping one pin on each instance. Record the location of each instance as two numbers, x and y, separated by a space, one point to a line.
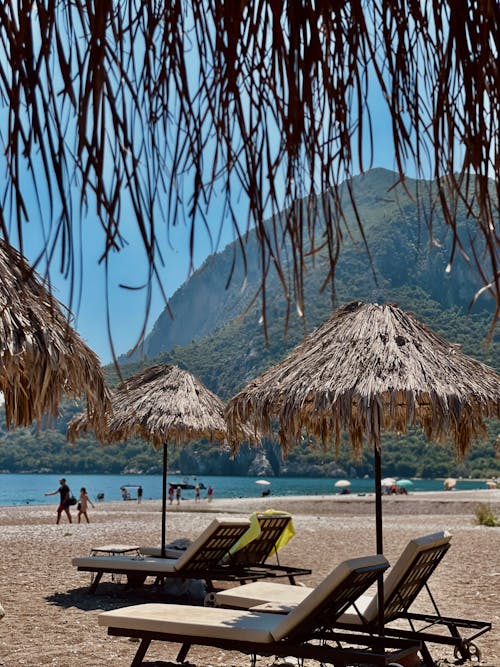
331 598
258 550
409 575
212 545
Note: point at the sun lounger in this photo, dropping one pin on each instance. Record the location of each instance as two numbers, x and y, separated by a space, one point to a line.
202 560
268 533
255 554
404 582
258 633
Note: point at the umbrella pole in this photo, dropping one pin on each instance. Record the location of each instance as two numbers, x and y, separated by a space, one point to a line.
164 502
378 531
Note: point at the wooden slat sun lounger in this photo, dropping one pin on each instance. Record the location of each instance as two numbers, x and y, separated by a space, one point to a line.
258 558
259 633
202 560
405 581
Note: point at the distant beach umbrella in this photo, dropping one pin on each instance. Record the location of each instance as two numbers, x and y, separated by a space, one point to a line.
42 357
449 483
491 484
263 482
388 481
404 483
371 368
342 483
162 404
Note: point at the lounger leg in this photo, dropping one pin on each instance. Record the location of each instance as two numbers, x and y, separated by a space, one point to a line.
95 582
141 652
426 656
181 656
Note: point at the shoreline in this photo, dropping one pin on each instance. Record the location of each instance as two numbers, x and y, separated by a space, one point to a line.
465 495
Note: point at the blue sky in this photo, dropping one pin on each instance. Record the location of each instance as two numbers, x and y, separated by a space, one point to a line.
129 266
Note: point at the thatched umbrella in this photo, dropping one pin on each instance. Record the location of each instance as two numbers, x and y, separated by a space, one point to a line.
41 355
367 369
161 404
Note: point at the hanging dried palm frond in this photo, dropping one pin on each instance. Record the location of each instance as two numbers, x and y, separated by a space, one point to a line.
158 107
42 357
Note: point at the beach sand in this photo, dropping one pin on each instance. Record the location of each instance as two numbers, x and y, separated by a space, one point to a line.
52 620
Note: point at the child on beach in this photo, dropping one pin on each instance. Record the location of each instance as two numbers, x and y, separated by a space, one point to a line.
82 504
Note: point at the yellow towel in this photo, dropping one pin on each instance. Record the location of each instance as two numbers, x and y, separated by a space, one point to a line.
254 531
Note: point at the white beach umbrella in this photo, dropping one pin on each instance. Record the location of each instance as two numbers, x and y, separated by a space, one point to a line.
342 483
263 482
388 481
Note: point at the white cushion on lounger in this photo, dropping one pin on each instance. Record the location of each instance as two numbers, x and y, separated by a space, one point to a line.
135 563
193 621
237 625
259 593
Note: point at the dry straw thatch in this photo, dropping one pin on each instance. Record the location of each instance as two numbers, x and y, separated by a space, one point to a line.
258 102
371 368
161 404
41 355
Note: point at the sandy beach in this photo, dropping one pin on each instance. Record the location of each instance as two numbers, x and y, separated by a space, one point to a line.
52 620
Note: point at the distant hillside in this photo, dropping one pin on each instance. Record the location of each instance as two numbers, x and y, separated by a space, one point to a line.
400 251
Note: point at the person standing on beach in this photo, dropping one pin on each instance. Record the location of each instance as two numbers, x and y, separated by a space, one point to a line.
171 493
197 493
210 494
83 503
178 494
64 494
139 495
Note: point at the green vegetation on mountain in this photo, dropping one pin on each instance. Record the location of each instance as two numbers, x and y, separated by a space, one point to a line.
218 336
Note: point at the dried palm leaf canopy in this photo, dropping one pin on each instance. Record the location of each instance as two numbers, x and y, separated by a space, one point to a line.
161 404
41 355
162 108
371 368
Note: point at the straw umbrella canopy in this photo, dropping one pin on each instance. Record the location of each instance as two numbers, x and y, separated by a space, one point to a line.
41 355
162 404
367 369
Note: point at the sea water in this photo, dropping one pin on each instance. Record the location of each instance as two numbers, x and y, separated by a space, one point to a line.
29 489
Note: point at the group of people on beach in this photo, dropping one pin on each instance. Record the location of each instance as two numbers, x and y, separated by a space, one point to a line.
177 493
66 500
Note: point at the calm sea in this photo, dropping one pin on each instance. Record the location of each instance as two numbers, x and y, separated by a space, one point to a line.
29 489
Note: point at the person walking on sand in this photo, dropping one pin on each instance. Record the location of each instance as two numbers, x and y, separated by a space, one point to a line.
82 504
210 494
64 494
139 495
197 493
178 494
171 492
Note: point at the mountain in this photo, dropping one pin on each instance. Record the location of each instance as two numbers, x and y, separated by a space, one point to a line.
217 334
394 219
